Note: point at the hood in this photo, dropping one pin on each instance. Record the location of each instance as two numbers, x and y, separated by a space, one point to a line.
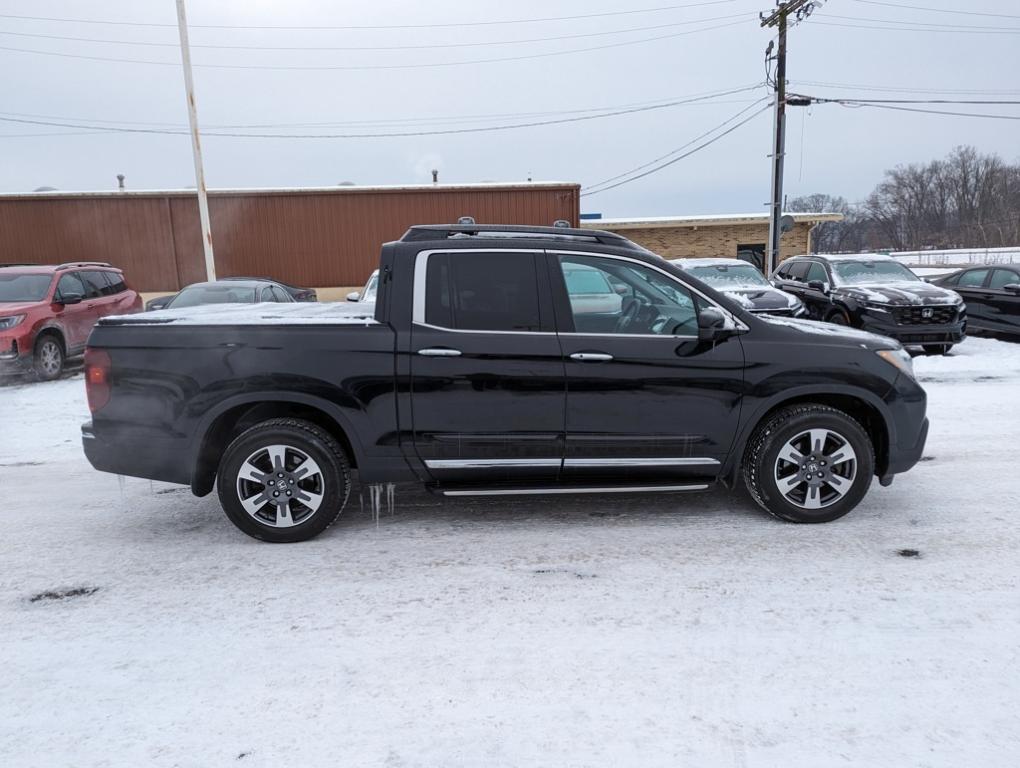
827 332
18 307
899 294
761 298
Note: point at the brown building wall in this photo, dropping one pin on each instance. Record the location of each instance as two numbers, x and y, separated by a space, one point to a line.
718 241
308 237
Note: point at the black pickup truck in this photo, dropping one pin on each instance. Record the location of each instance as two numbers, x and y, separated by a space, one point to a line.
501 360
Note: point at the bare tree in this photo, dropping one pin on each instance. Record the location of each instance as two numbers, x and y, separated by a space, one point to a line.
965 200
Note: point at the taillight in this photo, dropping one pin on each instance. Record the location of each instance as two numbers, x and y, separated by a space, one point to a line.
97 378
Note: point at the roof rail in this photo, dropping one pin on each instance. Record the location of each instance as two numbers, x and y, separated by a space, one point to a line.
421 232
19 264
83 264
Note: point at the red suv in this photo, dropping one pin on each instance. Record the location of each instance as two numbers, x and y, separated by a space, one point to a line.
47 312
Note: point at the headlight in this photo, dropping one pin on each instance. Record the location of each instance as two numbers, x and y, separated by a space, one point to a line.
900 358
10 321
875 307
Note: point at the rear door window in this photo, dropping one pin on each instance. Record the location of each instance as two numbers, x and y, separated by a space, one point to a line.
115 280
95 284
1003 277
482 291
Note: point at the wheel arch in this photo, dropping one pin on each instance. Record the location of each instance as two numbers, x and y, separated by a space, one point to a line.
862 405
221 426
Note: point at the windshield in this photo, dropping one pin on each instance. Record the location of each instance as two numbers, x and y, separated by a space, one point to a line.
24 287
725 275
858 272
368 294
212 294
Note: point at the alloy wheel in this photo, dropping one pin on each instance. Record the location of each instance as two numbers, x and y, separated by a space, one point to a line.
280 486
49 357
815 468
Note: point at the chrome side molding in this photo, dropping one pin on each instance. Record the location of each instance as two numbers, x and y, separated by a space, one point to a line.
568 489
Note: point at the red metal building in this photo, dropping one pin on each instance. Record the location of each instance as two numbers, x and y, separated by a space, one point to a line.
318 237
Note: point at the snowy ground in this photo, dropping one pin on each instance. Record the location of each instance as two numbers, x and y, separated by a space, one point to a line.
639 631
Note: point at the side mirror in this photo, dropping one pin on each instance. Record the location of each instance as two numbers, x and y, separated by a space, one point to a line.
816 285
353 296
70 298
1013 288
711 324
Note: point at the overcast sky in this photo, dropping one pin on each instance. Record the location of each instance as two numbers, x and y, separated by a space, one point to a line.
831 148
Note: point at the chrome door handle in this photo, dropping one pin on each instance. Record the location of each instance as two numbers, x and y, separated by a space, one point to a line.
588 357
439 352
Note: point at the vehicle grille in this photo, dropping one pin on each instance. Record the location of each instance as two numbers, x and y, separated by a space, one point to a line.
916 315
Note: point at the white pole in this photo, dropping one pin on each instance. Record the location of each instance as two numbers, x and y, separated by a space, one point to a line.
196 146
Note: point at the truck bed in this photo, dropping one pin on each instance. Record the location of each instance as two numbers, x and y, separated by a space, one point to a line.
301 313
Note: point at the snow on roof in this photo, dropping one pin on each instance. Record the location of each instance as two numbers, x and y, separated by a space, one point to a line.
688 263
706 220
300 313
57 193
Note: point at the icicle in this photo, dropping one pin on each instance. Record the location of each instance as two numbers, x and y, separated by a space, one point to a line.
390 493
361 500
375 496
120 482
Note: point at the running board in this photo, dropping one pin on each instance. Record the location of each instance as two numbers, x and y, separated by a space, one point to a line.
566 489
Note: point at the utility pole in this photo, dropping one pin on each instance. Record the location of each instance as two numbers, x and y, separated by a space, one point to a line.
196 146
800 9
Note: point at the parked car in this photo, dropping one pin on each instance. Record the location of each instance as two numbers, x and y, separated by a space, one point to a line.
366 294
296 293
475 379
47 312
229 292
875 293
158 303
992 294
744 283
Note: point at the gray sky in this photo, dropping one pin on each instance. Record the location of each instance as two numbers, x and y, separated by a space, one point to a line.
830 148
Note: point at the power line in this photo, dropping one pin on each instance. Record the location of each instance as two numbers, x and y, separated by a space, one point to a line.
476 129
933 111
430 46
922 23
949 29
897 104
904 89
967 12
682 147
675 160
349 67
689 99
605 14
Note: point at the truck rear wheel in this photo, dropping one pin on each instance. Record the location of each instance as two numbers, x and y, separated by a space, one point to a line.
809 463
283 480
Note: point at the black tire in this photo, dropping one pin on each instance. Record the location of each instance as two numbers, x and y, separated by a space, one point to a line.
937 349
332 481
48 357
761 462
838 317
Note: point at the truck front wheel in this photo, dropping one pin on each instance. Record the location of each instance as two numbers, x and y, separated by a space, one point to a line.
809 463
283 480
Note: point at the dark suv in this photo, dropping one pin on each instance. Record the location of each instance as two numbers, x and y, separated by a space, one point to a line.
47 312
878 294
